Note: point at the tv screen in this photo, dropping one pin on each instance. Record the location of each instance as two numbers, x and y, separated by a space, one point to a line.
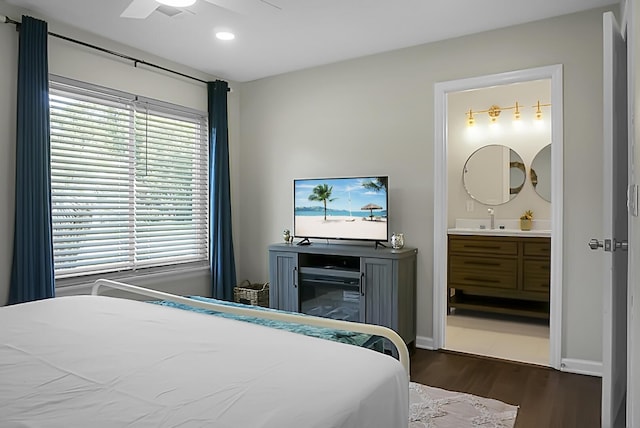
341 208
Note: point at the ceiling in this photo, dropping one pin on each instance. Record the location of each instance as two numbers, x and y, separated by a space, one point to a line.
287 35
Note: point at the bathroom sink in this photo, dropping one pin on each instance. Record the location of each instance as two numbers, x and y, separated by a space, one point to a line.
502 227
498 232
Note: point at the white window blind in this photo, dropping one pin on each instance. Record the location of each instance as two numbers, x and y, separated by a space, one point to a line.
129 181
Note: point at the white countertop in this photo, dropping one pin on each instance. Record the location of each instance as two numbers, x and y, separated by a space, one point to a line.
498 232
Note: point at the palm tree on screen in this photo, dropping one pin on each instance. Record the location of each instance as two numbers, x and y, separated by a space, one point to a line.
322 192
377 184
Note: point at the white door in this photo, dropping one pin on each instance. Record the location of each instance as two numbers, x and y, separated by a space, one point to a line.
614 349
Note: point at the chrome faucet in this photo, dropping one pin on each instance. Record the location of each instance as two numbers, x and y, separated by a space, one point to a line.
492 218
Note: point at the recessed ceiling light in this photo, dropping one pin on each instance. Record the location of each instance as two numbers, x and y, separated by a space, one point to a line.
225 35
177 3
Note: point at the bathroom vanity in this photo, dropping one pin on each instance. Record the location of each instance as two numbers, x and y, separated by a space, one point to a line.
499 271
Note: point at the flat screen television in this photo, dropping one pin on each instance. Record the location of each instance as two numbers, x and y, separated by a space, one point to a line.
353 208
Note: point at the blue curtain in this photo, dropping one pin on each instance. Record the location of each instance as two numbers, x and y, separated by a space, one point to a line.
32 276
223 268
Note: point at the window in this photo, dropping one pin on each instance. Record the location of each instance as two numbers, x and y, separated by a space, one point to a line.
129 181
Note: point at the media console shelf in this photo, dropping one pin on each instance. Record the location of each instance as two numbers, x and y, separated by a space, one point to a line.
348 282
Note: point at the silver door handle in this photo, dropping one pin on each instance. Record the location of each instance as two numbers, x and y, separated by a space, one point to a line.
609 245
594 244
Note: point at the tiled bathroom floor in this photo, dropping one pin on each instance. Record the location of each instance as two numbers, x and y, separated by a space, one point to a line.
507 338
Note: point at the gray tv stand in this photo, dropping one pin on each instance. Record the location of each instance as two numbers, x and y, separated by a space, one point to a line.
350 282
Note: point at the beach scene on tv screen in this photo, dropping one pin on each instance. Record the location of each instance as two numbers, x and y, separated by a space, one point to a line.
341 208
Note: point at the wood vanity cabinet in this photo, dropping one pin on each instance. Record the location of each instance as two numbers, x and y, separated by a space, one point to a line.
500 274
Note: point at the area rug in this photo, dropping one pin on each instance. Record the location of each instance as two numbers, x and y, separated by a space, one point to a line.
438 408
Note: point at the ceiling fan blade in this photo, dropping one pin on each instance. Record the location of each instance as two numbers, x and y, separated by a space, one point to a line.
246 7
140 9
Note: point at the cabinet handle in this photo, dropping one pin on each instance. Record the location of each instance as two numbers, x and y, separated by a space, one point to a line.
295 277
483 247
471 278
362 283
482 263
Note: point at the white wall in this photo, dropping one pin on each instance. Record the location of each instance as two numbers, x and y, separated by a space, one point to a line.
76 62
374 115
526 138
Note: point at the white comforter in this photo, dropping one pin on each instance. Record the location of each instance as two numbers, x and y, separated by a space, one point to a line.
89 361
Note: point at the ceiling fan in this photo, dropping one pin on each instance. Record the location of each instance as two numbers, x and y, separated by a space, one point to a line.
140 9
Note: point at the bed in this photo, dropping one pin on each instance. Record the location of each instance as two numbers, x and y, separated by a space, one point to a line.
103 361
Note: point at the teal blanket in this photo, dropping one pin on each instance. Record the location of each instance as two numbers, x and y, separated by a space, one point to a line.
349 337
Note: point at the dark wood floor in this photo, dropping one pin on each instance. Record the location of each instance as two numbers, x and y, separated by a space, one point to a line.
546 398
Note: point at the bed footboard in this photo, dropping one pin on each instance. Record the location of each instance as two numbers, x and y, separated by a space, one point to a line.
376 330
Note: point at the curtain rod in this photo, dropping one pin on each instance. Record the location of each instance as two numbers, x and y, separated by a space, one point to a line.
136 61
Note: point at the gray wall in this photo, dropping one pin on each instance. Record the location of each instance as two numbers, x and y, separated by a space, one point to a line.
374 115
70 60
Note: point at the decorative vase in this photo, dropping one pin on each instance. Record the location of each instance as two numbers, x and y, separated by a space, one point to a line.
286 235
525 224
397 241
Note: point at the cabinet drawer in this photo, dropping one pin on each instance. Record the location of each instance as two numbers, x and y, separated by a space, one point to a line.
537 275
483 272
537 249
474 245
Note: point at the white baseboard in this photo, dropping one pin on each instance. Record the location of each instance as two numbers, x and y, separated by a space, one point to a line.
425 343
584 367
569 365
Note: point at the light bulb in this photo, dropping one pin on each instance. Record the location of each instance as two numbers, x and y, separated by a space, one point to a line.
471 121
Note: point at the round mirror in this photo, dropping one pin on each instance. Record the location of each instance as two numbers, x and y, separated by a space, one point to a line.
540 173
494 174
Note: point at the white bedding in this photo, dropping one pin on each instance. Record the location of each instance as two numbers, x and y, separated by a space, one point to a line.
92 361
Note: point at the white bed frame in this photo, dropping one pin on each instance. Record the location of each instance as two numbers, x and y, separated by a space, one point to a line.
376 330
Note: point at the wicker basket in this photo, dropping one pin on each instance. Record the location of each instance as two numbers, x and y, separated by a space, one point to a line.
252 294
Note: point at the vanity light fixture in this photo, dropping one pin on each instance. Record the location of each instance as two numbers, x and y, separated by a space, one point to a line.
538 111
516 113
470 121
495 110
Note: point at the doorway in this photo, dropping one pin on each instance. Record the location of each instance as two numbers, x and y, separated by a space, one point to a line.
455 93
